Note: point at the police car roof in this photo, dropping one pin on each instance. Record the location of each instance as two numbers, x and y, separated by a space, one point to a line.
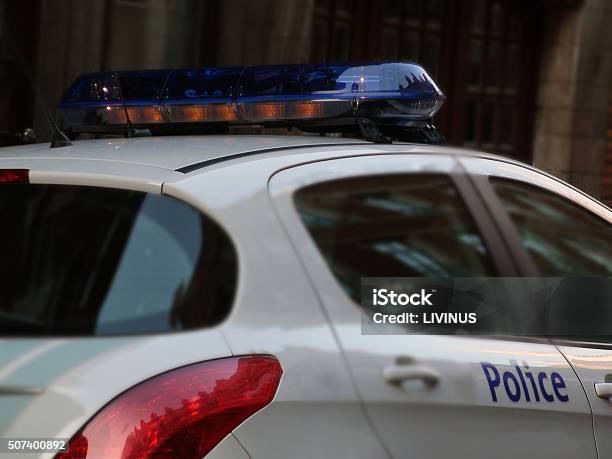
187 153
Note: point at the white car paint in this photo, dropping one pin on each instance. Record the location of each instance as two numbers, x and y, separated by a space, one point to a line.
593 364
333 400
457 417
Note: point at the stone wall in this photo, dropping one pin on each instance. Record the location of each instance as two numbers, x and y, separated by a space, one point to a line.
70 43
265 31
607 169
572 105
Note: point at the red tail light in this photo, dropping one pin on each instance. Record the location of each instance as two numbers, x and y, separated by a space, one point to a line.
180 414
14 176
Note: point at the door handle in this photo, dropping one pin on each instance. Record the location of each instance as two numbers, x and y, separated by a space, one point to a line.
397 374
604 389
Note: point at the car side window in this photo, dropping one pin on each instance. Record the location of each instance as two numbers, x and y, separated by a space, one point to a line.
562 238
99 261
400 225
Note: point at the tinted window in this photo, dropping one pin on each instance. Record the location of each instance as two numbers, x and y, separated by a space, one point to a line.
392 225
96 261
561 237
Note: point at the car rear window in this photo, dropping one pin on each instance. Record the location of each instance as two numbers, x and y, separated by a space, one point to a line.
96 261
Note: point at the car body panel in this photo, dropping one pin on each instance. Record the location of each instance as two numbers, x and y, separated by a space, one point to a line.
417 418
593 364
228 448
316 411
78 376
110 174
166 152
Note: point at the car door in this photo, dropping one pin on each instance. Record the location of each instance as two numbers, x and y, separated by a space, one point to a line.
562 232
447 400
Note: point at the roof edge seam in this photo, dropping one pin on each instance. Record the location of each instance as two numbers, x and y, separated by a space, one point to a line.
210 162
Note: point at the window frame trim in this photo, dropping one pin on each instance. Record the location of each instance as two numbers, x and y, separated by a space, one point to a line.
480 175
480 170
283 184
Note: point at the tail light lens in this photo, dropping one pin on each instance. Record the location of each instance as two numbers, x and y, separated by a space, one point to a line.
183 413
14 176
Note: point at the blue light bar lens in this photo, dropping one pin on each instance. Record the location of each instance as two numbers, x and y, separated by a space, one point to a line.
142 85
95 87
261 94
210 83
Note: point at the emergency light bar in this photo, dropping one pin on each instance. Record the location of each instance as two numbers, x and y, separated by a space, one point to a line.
320 97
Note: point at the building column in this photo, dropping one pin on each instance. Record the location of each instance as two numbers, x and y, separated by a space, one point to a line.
572 105
606 194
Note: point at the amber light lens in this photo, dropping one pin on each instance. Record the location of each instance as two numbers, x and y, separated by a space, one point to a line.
180 414
200 113
145 115
292 110
112 115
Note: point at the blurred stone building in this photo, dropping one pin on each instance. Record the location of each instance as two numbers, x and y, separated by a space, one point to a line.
528 79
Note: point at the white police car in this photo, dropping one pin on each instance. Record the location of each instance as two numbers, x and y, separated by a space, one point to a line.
183 296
